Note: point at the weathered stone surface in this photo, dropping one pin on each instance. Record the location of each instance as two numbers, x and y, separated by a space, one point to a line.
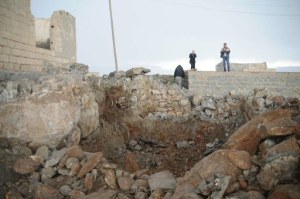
92 161
140 195
107 194
141 183
70 162
279 164
287 191
76 194
247 138
137 71
26 166
226 162
279 127
19 149
89 181
89 117
246 195
50 123
65 190
75 169
43 152
13 194
55 157
47 173
111 179
162 180
42 191
125 183
74 151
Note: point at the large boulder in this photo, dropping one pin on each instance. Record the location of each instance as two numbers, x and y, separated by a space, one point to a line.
52 108
225 162
248 137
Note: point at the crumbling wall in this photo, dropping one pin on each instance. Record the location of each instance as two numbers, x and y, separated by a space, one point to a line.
42 33
18 51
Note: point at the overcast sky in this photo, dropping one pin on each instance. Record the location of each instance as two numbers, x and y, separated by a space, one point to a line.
160 34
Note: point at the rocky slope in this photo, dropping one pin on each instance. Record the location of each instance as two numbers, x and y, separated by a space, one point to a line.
66 134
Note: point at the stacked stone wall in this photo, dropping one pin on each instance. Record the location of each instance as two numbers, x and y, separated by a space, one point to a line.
18 51
221 83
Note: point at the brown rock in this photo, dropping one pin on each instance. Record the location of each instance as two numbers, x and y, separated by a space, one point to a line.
278 100
13 194
215 163
42 191
141 183
241 159
131 164
242 184
89 181
140 195
26 166
157 194
107 194
74 151
280 163
247 138
92 161
75 169
287 191
279 127
75 194
125 183
111 179
286 147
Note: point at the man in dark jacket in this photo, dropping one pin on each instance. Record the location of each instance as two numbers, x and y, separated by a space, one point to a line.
193 59
179 75
225 51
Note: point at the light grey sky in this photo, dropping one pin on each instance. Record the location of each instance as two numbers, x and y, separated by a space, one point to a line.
160 34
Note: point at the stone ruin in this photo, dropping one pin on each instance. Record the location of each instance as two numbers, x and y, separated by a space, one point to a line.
66 133
246 67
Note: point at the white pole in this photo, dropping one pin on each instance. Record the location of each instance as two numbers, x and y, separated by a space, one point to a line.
113 35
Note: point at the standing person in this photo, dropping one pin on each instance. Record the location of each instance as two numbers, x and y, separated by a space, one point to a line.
225 51
179 75
193 59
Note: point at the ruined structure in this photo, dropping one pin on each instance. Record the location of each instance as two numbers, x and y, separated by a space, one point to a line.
26 43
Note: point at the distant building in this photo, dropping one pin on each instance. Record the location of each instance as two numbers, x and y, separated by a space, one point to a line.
246 67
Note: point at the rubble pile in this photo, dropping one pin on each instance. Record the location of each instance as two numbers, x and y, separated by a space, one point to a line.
69 134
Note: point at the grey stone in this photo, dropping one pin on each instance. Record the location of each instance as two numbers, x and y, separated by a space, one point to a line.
182 144
47 173
19 149
137 71
43 152
55 157
65 190
162 180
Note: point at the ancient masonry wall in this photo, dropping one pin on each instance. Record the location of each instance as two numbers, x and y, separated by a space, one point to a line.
221 83
18 51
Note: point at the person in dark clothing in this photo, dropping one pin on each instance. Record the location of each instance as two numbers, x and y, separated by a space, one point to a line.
179 75
225 51
193 59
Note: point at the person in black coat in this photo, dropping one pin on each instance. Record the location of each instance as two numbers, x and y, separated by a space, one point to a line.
193 59
179 75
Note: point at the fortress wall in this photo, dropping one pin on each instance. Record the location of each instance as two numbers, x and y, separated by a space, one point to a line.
18 51
221 83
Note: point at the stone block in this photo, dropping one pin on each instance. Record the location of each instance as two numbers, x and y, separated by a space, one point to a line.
12 59
17 67
8 66
1 65
3 42
3 58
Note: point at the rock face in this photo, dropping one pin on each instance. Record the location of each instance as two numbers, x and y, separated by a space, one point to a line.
247 137
53 106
